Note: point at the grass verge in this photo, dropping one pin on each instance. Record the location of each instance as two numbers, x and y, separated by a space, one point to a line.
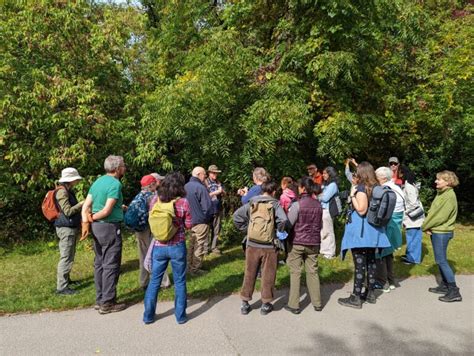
28 273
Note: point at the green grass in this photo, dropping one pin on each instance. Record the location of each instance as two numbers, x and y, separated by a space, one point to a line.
28 273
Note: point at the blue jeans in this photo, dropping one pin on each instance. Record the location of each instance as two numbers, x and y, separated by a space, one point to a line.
440 247
161 256
413 253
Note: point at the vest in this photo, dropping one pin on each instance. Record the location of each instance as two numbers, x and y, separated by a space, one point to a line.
307 230
73 221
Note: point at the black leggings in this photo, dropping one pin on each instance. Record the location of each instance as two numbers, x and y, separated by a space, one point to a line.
364 264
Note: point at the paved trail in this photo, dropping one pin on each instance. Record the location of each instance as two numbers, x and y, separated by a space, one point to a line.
408 321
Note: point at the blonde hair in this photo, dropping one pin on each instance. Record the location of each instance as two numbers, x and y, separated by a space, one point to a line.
449 177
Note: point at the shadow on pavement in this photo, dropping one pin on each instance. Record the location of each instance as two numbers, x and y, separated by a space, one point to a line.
379 340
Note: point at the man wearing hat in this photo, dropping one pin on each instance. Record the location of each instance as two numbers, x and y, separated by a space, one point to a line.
148 184
103 212
394 167
67 227
216 191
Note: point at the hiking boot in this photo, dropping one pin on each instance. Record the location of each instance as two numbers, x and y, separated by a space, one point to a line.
107 308
453 294
441 289
245 308
353 301
266 308
66 291
370 297
292 310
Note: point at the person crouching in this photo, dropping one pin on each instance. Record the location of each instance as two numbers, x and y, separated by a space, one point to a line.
260 218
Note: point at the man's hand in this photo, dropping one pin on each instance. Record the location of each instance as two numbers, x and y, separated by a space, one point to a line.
85 230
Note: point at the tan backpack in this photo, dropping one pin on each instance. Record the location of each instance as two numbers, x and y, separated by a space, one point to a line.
261 227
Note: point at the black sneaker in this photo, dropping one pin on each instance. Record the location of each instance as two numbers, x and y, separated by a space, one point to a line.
292 310
107 308
245 308
66 291
266 308
353 301
442 289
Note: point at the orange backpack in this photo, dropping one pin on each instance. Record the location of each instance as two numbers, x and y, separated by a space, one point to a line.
49 206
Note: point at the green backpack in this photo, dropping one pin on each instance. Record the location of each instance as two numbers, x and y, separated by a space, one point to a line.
161 219
261 227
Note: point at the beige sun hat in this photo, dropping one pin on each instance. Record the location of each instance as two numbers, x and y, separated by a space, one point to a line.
69 175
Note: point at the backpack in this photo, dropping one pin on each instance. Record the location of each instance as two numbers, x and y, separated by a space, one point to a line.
161 221
381 206
49 206
261 227
335 206
136 217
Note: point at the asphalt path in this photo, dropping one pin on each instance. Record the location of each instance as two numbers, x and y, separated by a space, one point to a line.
406 321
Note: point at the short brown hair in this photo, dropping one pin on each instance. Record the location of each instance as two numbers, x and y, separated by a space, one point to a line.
449 177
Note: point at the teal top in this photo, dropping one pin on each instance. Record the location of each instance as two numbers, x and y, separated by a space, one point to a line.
107 187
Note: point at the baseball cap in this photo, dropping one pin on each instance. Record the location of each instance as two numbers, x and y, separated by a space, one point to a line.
147 180
157 176
393 159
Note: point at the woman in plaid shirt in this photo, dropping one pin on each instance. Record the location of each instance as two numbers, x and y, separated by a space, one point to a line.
174 251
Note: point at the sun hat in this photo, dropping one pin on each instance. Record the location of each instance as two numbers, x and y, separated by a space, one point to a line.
147 180
69 175
157 176
213 168
393 159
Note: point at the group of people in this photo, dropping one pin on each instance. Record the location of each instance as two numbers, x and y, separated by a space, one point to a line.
298 222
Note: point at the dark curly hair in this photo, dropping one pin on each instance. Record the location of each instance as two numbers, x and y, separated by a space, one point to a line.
172 187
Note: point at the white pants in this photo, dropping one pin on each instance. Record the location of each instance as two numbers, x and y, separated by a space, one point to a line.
328 239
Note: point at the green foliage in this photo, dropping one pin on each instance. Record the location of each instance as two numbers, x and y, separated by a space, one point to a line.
63 89
174 84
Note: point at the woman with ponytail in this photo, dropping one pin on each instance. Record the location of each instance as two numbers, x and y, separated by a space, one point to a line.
305 216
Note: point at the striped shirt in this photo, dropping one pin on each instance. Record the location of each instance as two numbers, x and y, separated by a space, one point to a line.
182 220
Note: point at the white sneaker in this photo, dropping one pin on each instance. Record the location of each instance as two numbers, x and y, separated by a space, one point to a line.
392 287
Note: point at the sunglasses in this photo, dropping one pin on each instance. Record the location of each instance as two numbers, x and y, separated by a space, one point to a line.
393 164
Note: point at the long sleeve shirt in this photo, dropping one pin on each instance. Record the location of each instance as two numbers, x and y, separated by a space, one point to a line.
328 192
443 212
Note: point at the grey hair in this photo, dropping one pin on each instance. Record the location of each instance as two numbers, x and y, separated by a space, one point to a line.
384 172
112 163
261 174
197 170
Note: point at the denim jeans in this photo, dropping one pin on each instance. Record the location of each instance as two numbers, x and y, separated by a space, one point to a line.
413 253
175 254
440 246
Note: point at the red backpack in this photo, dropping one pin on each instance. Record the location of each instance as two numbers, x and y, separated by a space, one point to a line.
49 206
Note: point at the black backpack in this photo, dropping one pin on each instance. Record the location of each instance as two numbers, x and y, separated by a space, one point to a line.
381 205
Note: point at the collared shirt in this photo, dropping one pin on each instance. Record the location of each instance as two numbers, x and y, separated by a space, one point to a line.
182 221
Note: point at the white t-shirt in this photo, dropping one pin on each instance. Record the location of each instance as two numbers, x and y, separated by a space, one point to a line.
400 204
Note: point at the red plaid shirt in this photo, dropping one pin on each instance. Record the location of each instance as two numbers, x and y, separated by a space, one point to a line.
182 220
